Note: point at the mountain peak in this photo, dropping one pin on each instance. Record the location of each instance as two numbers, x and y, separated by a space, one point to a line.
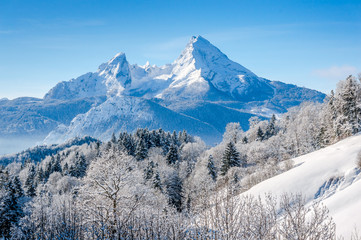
199 38
199 43
118 58
111 79
204 64
116 73
199 50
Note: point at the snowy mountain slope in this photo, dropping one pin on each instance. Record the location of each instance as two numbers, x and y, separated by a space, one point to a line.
289 95
125 113
110 79
201 64
329 175
149 81
220 114
201 72
33 116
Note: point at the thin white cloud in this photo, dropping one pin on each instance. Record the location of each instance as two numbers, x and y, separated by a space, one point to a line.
336 72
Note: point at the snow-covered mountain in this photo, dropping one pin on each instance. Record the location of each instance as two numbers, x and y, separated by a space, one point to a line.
202 71
33 116
329 175
202 85
127 113
110 80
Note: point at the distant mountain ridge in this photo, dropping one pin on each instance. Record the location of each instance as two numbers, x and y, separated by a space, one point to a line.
202 86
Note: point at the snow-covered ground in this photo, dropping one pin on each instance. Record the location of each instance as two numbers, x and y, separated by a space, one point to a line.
329 175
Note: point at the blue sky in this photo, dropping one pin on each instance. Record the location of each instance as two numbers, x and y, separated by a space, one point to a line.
308 43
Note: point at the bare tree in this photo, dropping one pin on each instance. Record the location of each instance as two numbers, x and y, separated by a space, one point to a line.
300 222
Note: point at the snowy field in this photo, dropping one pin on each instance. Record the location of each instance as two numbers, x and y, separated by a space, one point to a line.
329 175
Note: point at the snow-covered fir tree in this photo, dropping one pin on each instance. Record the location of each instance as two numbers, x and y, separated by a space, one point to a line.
230 158
141 151
172 156
211 168
11 203
175 191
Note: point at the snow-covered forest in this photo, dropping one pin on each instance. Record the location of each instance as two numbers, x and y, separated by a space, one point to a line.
153 184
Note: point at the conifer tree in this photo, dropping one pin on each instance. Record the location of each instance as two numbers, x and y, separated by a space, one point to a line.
4 176
344 108
127 144
113 139
30 182
211 168
156 138
230 158
175 138
11 211
55 165
167 142
184 137
349 106
149 139
172 156
141 151
47 171
149 171
327 132
157 183
40 176
175 191
271 128
79 168
66 169
260 135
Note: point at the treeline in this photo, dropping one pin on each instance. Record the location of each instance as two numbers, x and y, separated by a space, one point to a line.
38 153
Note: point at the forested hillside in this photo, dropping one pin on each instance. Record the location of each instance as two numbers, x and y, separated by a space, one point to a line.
152 184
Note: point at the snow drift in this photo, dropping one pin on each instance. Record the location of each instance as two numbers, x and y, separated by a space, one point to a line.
329 175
